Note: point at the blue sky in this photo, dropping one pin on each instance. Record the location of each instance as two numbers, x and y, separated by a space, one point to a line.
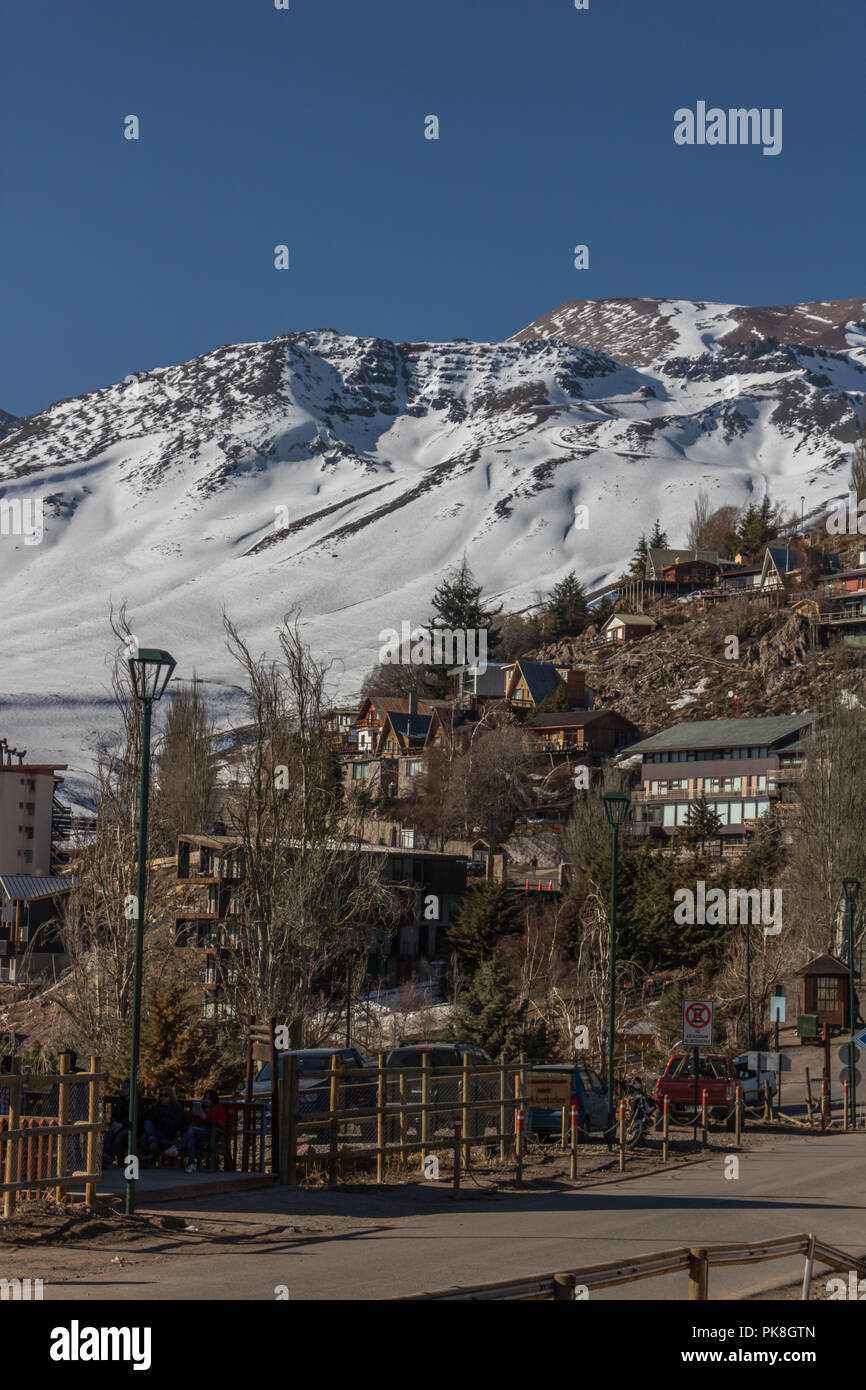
306 128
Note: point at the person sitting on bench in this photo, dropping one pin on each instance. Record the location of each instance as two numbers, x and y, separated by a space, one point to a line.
164 1123
215 1118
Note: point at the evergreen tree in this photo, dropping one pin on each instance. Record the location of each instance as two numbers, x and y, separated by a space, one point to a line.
659 538
486 914
180 1049
565 609
702 822
638 560
458 605
487 1012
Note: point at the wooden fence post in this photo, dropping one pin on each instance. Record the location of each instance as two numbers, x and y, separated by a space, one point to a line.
503 1113
458 1135
698 1271
809 1099
381 1101
807 1272
738 1115
12 1146
333 1127
92 1120
425 1101
291 1159
467 1115
63 1119
518 1146
275 1096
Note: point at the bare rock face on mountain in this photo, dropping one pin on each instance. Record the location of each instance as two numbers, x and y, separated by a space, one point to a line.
642 331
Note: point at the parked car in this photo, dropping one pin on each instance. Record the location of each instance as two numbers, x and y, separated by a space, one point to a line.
587 1090
314 1090
716 1076
752 1081
443 1089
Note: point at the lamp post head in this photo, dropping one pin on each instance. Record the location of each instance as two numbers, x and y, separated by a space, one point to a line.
616 807
850 887
151 671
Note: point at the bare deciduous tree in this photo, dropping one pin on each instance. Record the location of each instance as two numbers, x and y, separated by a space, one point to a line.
828 840
312 893
185 786
97 925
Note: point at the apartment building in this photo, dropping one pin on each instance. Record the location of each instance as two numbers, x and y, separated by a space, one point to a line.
26 812
740 766
428 886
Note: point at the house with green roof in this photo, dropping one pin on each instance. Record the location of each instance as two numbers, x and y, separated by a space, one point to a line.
739 766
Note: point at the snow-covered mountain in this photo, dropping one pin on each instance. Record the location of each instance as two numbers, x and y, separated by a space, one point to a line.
345 475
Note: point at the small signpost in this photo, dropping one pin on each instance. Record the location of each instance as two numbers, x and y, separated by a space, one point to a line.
552 1089
698 1023
697 1033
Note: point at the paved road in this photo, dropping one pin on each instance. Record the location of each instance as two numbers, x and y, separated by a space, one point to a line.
394 1247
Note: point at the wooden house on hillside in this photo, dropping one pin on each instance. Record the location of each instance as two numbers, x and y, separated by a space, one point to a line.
527 683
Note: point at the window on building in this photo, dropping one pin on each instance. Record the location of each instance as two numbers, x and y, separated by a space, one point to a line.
413 767
826 996
360 772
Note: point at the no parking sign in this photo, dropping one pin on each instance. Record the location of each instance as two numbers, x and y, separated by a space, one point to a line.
697 1022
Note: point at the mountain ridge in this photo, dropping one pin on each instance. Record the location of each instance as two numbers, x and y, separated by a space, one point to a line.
345 475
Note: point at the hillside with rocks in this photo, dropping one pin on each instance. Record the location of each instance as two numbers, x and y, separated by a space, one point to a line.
679 672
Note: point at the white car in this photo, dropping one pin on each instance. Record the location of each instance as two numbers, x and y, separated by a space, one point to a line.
752 1081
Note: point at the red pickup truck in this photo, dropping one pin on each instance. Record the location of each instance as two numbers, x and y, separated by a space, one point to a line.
716 1076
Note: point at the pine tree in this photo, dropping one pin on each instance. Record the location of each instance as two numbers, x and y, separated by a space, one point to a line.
458 606
565 609
659 538
487 913
487 1012
638 560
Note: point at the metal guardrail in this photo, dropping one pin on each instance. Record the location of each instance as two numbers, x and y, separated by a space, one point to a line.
695 1260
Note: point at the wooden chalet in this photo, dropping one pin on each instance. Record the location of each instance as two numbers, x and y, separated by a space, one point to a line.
623 628
599 732
527 683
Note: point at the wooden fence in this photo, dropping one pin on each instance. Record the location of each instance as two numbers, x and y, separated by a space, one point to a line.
36 1150
340 1116
695 1261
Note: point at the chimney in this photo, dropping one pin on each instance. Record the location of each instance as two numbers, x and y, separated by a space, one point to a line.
413 702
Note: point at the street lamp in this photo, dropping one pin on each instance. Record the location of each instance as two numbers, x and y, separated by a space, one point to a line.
851 887
616 808
150 670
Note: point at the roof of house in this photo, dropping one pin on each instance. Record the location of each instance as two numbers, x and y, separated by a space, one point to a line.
631 619
542 678
28 887
724 733
660 558
391 704
859 573
823 965
788 557
571 719
410 728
